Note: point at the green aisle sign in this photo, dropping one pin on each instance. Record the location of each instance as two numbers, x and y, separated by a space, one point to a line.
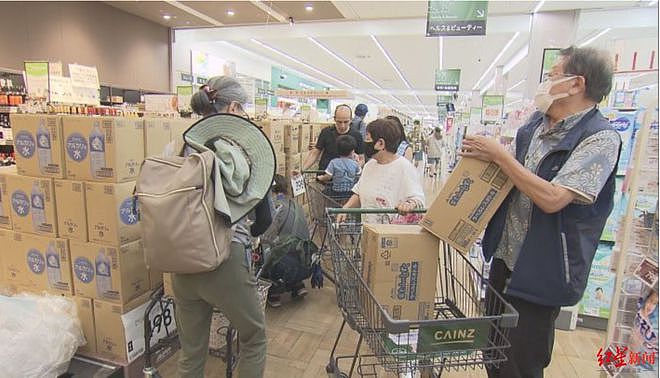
447 80
492 108
456 18
443 100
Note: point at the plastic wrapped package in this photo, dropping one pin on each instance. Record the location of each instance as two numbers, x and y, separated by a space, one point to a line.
38 335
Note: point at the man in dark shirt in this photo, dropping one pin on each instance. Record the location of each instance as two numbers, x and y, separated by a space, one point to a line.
326 146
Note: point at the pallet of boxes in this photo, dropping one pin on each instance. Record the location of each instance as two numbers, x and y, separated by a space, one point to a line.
72 226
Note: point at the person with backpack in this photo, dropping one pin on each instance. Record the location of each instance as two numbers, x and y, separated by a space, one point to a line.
286 246
241 174
357 123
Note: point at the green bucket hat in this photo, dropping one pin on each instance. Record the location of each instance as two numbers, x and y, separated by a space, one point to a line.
245 161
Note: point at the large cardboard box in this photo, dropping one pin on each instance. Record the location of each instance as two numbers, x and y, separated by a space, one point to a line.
179 126
85 307
274 130
36 264
32 204
38 145
111 213
157 135
466 203
292 138
120 328
401 269
5 200
113 274
71 210
106 149
7 242
292 162
280 161
305 137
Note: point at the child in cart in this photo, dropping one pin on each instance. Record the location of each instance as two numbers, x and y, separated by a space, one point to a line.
281 243
342 171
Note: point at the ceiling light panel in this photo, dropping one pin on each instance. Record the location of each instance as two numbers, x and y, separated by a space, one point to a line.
496 61
344 62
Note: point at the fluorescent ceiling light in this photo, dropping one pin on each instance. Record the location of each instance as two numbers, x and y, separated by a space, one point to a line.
309 7
230 13
515 60
279 17
497 58
298 61
590 40
167 17
513 102
516 84
538 6
195 13
367 78
391 61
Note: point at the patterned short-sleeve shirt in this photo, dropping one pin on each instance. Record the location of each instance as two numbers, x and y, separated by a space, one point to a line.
584 173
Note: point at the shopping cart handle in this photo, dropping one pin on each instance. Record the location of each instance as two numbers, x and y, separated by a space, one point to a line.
334 211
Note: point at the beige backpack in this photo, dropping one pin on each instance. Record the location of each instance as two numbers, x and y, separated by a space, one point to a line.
181 231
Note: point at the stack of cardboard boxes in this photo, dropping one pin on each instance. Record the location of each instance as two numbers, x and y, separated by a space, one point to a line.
69 220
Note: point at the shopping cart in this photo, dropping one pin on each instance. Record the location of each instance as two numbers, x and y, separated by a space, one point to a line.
319 201
478 330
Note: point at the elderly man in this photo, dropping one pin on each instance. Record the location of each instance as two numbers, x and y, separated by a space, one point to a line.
326 146
544 236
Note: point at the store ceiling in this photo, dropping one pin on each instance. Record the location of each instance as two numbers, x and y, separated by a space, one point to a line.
335 38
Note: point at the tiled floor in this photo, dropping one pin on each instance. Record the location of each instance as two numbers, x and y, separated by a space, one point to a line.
301 334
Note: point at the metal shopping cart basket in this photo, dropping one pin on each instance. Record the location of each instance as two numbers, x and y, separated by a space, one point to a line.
320 200
465 332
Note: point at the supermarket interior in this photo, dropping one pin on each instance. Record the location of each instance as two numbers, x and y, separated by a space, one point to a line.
439 205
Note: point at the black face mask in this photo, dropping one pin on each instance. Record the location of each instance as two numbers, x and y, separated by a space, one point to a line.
369 149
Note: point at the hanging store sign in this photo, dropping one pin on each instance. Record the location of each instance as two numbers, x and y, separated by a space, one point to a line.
36 75
443 100
85 84
313 93
456 18
447 80
188 78
184 95
201 80
475 117
492 108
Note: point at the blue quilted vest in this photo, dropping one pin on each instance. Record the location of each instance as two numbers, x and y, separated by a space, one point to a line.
556 255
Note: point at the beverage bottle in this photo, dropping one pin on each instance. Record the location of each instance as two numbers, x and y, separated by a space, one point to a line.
96 149
103 274
53 265
44 152
37 205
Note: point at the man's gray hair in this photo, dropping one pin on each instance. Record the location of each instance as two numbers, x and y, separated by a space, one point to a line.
592 64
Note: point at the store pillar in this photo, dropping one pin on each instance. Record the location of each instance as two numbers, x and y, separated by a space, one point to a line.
548 30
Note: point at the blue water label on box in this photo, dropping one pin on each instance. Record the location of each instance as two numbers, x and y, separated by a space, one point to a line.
83 269
127 212
36 261
25 144
77 147
20 202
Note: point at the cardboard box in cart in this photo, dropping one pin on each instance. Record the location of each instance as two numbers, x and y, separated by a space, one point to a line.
38 145
71 211
85 307
467 202
113 274
32 204
274 130
291 138
111 213
401 269
157 135
106 149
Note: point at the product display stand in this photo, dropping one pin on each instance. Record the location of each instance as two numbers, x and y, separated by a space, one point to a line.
637 242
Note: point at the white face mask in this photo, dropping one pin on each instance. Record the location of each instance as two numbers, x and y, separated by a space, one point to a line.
543 99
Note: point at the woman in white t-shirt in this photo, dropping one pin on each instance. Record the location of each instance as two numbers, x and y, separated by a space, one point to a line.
388 180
